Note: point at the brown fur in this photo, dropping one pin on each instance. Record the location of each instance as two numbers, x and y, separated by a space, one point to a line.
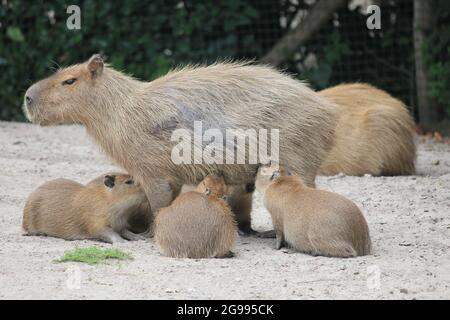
141 220
198 224
240 199
66 209
133 121
374 134
312 221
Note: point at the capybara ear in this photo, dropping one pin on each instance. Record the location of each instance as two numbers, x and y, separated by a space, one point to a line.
95 65
109 181
276 174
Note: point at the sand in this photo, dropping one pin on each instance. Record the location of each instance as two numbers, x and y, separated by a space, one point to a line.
409 220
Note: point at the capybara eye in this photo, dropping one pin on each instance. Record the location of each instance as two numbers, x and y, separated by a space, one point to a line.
129 182
109 181
68 82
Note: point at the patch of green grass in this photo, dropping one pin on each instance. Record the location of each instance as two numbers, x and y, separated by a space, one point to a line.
93 255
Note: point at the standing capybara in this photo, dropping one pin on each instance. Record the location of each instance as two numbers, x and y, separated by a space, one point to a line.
198 224
374 133
312 221
99 210
133 121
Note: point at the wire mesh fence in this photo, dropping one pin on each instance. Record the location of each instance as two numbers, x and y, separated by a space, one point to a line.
147 39
344 50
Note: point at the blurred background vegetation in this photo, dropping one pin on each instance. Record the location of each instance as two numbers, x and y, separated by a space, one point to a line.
146 39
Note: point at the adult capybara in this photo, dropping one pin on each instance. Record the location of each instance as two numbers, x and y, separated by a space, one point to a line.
133 121
374 133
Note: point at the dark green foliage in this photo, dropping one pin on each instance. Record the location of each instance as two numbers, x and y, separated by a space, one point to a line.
146 39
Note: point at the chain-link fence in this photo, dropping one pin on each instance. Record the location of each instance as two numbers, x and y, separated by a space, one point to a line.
345 50
147 39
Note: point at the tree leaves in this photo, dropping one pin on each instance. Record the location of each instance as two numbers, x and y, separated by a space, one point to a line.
15 34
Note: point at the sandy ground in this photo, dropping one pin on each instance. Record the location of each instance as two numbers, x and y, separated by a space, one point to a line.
409 218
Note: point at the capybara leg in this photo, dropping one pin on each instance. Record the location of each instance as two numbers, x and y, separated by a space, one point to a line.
280 241
159 195
229 254
127 234
267 234
245 230
110 236
241 205
142 220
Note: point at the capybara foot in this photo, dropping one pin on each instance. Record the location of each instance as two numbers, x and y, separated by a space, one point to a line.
229 254
127 234
110 236
247 231
267 234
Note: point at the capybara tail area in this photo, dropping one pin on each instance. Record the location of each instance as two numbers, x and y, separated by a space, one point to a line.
399 150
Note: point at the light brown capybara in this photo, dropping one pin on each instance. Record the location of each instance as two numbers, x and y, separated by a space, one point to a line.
374 133
240 199
100 210
312 221
133 121
198 224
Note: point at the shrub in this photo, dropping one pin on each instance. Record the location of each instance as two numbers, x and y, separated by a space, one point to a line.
145 38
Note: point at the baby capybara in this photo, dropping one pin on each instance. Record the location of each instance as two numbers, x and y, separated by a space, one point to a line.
312 221
100 210
198 224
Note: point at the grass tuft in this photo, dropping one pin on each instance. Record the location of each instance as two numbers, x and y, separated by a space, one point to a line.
93 255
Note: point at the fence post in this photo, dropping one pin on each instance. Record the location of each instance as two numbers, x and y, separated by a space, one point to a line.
429 115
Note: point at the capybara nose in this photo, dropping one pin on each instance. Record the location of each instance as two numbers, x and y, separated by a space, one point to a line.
28 101
32 95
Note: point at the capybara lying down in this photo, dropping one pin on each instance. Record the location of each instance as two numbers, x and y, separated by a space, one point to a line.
198 224
133 121
312 221
100 210
374 133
